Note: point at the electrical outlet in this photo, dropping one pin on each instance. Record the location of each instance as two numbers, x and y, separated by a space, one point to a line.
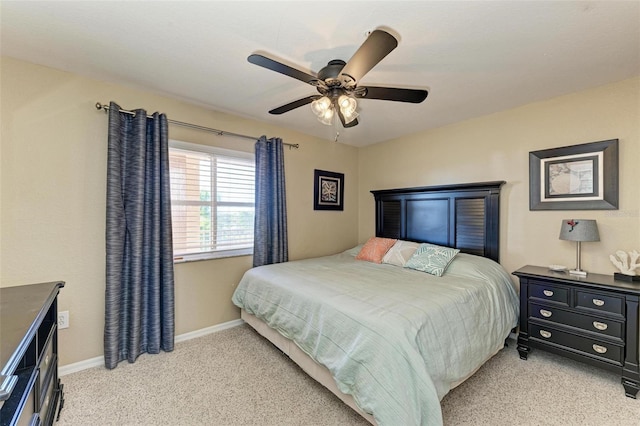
63 319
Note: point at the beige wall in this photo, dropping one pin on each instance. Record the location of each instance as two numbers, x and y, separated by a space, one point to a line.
53 167
52 194
496 147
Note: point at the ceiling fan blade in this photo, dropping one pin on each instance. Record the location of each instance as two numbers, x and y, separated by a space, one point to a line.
293 105
392 94
378 45
281 68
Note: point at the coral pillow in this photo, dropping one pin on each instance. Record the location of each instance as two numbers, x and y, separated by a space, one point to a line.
375 249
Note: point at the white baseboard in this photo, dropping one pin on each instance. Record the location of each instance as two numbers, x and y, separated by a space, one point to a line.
208 330
81 365
99 360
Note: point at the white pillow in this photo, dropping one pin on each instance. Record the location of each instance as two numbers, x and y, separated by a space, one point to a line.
400 253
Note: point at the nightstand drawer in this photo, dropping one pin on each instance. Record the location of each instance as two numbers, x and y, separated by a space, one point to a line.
591 347
600 302
593 324
545 291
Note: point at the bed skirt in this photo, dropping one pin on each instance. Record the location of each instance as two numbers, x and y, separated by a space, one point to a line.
317 372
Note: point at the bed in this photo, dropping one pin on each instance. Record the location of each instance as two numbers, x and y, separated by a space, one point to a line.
392 341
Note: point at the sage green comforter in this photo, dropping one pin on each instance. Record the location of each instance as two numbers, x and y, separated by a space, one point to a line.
396 339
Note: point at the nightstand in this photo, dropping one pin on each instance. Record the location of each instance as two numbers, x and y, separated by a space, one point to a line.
593 319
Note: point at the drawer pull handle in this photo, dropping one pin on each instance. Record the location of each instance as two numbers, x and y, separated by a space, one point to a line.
599 349
600 325
598 302
548 293
547 334
545 313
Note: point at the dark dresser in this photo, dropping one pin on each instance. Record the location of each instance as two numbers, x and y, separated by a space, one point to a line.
30 390
593 319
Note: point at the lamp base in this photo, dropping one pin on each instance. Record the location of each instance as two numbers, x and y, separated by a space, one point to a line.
578 272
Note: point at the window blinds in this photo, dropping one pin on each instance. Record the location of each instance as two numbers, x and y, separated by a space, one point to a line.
212 201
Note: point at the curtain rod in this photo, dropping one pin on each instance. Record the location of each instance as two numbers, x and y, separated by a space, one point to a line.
100 106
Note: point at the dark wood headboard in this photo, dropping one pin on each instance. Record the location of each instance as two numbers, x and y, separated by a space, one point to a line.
464 216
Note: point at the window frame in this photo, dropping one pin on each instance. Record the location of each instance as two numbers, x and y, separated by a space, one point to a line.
208 149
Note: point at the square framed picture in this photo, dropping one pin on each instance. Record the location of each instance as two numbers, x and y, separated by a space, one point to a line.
578 177
328 190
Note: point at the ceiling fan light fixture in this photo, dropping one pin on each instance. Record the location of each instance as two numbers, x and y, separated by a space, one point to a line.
348 106
321 106
347 103
326 117
349 115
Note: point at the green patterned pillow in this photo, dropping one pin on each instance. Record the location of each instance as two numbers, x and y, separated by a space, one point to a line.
432 259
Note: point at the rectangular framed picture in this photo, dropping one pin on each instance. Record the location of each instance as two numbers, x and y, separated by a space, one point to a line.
328 190
577 177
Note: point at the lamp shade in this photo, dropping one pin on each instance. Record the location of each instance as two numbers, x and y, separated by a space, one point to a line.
579 230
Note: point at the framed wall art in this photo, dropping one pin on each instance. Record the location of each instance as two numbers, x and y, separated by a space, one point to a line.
577 177
328 192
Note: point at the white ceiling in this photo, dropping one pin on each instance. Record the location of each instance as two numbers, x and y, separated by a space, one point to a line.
474 57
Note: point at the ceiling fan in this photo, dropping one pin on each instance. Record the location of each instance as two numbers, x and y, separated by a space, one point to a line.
337 83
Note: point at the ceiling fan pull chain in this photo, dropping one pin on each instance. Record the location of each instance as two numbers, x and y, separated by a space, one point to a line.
337 136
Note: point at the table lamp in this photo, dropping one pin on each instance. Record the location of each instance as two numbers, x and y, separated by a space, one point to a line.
579 230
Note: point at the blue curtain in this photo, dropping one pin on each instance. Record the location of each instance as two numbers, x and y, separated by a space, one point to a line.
139 297
270 230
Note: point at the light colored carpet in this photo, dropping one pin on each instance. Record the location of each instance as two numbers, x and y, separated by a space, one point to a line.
235 377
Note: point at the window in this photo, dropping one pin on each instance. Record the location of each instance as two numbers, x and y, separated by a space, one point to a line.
212 201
